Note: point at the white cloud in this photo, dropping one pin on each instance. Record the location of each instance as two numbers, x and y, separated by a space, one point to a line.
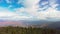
8 1
6 14
13 16
32 7
10 6
30 3
44 3
20 10
53 3
50 13
20 1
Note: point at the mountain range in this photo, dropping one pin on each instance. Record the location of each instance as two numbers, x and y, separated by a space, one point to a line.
27 23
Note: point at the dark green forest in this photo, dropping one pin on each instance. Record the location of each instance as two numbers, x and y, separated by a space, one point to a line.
29 30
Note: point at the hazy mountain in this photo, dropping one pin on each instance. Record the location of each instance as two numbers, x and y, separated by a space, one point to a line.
54 25
47 24
23 23
27 23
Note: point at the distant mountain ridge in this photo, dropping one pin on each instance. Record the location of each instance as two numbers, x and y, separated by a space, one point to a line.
54 25
27 23
22 23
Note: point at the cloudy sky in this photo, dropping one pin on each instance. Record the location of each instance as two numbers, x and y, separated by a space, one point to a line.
30 10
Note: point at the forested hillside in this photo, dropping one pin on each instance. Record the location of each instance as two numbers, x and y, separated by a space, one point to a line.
29 30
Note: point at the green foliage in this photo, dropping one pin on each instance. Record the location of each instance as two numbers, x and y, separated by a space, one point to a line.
30 30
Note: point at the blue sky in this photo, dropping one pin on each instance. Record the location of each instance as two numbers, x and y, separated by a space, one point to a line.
30 10
4 3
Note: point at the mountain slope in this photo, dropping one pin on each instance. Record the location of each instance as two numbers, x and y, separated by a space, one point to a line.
54 25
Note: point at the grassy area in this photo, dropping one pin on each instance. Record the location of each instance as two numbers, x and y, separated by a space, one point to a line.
29 30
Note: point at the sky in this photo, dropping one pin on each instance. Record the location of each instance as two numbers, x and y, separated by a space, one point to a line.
30 10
